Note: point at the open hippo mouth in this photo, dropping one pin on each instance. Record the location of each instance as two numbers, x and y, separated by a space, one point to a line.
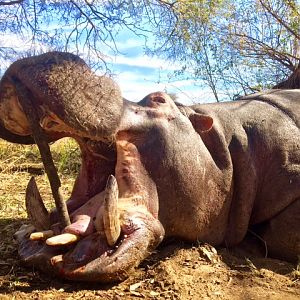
110 223
113 226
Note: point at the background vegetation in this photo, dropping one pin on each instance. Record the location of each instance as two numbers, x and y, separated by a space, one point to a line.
19 162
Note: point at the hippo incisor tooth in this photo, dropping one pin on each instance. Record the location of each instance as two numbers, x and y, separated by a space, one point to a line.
41 235
111 220
56 259
35 207
62 239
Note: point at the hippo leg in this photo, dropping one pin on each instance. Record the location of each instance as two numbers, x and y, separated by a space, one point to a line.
282 233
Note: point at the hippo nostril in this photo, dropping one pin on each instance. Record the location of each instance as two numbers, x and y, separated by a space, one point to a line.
50 124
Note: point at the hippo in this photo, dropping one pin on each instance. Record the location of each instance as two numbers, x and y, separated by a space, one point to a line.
152 170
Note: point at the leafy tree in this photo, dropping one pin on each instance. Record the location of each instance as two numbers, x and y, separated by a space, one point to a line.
236 47
82 26
233 46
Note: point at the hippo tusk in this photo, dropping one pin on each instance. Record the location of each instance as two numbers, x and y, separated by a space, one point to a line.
57 259
111 220
41 141
35 207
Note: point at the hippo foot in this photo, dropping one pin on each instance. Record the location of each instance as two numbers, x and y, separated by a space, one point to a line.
92 258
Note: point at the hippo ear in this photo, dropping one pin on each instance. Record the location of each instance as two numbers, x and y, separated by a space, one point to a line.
200 122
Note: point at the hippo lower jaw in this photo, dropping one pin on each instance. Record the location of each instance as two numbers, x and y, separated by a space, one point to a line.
110 234
92 259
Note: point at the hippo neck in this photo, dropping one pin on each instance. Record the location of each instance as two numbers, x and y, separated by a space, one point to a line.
194 184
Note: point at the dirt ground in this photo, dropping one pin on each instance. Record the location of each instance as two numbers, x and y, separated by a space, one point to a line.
175 271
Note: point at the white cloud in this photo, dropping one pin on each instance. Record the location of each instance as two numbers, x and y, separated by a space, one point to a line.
128 44
20 43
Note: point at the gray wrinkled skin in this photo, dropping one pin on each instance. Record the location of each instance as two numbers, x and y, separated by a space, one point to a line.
203 172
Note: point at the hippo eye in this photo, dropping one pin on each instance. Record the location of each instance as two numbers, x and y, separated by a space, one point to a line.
159 99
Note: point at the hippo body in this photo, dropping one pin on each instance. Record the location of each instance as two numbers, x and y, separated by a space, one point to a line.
213 183
204 172
259 163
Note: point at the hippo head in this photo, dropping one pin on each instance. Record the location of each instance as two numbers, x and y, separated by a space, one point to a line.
127 154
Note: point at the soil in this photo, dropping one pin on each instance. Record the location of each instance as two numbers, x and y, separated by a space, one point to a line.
175 271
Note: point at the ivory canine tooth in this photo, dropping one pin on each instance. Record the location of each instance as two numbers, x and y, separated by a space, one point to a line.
111 220
40 139
41 235
35 207
62 239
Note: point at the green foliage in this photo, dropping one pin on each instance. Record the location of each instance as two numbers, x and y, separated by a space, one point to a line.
235 47
66 155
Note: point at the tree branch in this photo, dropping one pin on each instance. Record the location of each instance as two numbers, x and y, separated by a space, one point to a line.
275 16
2 3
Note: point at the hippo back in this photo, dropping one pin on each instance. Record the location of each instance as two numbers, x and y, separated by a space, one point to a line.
288 101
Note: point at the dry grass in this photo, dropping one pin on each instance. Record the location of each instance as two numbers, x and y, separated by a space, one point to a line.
18 163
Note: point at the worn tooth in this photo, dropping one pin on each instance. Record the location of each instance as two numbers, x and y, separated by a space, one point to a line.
56 259
35 207
62 239
111 220
41 235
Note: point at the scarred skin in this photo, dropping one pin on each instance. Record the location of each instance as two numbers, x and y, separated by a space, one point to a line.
203 172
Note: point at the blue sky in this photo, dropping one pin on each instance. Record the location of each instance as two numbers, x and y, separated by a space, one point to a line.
136 73
139 74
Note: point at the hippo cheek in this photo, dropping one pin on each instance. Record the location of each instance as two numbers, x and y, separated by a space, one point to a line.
110 232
